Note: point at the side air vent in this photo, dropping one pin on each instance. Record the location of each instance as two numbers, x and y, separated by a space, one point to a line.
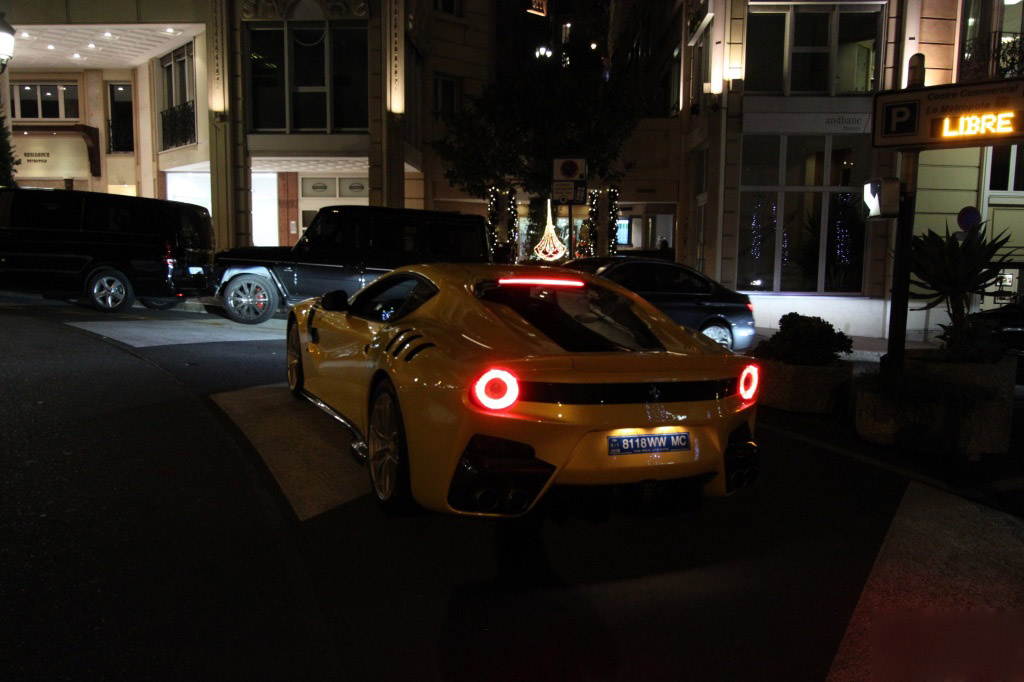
419 349
404 343
396 337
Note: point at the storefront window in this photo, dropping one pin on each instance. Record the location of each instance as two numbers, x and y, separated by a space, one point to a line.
756 262
790 256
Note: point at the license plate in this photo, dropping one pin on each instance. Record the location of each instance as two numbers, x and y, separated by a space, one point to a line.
648 443
193 270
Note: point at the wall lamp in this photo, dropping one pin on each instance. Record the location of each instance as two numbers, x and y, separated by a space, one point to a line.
6 43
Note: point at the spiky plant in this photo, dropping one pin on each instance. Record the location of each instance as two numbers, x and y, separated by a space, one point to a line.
950 269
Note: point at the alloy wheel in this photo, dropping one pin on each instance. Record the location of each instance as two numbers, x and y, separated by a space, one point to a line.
108 292
385 444
248 300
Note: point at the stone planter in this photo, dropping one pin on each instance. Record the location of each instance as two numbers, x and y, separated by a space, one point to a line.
804 388
939 421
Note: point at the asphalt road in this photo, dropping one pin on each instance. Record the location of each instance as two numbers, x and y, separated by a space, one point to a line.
169 511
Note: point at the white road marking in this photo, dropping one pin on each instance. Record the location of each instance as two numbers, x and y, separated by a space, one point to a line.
945 598
305 449
142 333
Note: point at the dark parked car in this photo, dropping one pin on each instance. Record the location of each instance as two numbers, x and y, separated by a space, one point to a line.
345 247
106 247
685 295
1008 324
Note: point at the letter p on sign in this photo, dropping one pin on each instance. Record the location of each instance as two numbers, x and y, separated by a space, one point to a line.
899 118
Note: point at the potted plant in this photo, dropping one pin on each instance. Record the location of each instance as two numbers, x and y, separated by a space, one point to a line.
957 399
801 367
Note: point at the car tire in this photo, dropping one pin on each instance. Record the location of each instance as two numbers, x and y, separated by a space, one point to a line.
718 333
296 378
110 290
159 303
387 456
250 299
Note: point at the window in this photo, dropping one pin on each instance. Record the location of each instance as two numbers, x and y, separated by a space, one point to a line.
452 7
813 49
46 101
447 94
307 77
46 210
802 220
178 117
120 126
1006 169
392 298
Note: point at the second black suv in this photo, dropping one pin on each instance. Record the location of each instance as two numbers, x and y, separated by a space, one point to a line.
344 248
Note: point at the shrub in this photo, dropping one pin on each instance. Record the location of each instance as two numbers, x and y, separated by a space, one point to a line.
804 340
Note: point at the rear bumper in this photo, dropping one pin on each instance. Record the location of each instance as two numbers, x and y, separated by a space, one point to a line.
548 444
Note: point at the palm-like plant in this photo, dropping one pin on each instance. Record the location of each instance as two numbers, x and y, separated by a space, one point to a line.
951 269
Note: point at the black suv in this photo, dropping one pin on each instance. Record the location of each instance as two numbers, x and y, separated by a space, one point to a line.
344 248
108 248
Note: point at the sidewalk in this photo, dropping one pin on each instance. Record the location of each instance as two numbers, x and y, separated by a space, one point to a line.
996 481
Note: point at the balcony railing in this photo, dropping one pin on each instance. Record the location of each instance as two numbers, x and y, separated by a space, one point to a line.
120 136
179 125
992 57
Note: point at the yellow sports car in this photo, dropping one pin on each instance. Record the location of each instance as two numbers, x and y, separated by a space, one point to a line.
473 389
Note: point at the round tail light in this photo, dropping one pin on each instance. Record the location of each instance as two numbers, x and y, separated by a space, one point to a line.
496 389
748 382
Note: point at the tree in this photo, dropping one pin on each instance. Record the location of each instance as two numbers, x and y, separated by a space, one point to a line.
536 111
7 159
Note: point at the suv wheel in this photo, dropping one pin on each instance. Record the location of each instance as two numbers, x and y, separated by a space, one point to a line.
110 290
250 299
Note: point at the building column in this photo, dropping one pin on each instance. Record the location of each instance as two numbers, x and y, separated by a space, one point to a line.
229 154
386 47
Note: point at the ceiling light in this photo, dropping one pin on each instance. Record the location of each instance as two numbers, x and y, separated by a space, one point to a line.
76 56
91 46
49 47
171 30
120 88
593 46
108 34
24 34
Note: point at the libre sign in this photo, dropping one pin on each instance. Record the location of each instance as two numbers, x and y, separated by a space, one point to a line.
950 115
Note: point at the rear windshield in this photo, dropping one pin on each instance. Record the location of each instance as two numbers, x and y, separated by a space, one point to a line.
590 319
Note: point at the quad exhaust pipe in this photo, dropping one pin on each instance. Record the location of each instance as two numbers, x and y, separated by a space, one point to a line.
515 500
742 477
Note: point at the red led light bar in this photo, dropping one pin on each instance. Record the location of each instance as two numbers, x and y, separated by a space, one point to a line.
542 281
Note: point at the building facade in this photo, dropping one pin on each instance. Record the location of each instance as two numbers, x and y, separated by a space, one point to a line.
262 110
772 105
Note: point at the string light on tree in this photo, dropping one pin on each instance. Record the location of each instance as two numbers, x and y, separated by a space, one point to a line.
593 198
550 247
513 228
493 211
613 221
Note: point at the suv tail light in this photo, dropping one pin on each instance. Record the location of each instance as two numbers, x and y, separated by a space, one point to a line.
749 378
750 306
496 389
169 254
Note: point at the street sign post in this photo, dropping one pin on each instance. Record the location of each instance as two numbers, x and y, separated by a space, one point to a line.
569 186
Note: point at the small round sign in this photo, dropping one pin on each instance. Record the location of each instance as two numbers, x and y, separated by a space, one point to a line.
319 187
570 169
968 218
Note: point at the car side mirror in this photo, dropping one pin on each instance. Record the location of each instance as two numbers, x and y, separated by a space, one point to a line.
335 301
